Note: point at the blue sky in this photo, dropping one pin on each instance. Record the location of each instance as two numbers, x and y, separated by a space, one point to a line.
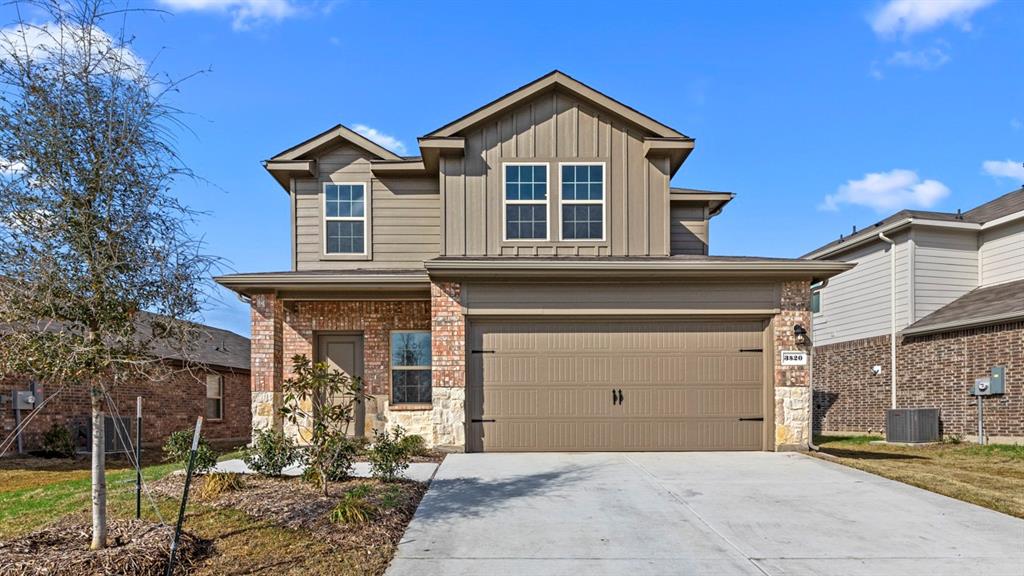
819 115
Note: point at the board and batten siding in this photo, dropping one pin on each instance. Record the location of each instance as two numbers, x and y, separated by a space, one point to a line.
688 228
404 216
856 304
1002 254
551 128
945 267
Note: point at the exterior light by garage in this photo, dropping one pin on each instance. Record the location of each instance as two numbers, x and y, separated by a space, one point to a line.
801 334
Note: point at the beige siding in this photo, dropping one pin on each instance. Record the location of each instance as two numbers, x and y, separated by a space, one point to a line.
404 216
855 304
554 298
688 228
945 267
1002 254
555 128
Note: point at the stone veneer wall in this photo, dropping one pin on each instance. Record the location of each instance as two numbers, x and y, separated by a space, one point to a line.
792 395
448 325
933 371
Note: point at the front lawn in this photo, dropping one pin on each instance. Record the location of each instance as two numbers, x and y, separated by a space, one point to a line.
990 476
278 526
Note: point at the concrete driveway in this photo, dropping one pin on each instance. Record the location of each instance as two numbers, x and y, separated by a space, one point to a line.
693 513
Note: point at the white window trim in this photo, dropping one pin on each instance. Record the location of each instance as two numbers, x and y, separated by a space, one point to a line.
393 368
366 228
219 397
603 202
505 202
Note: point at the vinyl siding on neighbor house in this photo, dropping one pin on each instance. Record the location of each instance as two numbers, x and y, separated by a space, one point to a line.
945 268
403 216
551 128
1002 253
856 304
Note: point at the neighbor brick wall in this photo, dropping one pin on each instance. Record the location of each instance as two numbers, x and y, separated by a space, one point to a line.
169 404
933 371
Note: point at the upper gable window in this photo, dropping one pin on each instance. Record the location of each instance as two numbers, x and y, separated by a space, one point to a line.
582 201
345 218
526 201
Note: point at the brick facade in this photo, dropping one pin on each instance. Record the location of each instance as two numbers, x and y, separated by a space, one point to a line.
168 405
792 395
933 371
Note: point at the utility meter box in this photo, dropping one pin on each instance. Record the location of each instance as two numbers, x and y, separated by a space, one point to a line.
24 400
990 385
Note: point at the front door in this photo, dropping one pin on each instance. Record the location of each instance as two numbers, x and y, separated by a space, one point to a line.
344 353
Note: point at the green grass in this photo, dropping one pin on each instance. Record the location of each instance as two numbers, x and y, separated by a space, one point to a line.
855 440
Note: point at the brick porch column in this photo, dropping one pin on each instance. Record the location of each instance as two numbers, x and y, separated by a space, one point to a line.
267 361
448 347
792 393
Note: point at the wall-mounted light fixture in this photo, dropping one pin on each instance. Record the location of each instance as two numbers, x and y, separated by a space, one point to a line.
801 333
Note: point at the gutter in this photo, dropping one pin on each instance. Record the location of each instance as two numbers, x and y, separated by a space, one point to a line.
870 235
525 266
892 313
961 324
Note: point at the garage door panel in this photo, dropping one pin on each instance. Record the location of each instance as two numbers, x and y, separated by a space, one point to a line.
547 385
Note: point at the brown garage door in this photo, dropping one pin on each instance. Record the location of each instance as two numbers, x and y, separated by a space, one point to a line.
550 385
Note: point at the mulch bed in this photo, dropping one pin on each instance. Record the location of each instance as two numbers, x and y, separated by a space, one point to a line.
292 503
137 548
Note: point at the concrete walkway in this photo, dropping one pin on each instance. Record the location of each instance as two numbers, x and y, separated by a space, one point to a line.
418 471
693 513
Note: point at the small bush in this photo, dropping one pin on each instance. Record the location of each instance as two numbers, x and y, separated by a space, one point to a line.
218 483
57 441
178 446
392 497
415 445
341 451
270 453
354 508
389 456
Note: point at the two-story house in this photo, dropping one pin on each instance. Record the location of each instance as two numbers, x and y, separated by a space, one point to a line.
951 288
531 281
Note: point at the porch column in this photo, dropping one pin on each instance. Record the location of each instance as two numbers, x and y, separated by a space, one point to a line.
267 361
448 347
792 391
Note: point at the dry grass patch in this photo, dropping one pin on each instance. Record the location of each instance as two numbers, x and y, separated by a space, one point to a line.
989 476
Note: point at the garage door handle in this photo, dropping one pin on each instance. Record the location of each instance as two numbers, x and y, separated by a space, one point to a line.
616 399
751 349
481 420
761 419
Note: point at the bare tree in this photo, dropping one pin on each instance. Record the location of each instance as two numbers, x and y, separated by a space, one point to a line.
99 271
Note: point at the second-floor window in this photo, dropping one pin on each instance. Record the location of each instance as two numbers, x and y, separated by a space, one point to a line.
345 218
582 201
526 201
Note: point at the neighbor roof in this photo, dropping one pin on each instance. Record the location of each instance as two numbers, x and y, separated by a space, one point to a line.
212 346
979 307
556 78
1009 203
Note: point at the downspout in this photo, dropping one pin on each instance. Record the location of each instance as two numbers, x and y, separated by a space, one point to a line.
810 372
892 314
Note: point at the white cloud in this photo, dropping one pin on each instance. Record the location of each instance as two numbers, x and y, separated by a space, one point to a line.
1004 169
385 140
1016 123
907 17
927 59
244 13
887 192
41 42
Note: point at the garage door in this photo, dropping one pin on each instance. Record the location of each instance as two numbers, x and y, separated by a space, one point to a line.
550 385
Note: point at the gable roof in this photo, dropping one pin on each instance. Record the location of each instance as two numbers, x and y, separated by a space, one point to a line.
333 135
561 80
980 307
1009 203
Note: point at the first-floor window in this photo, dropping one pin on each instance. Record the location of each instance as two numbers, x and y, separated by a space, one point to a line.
214 397
410 367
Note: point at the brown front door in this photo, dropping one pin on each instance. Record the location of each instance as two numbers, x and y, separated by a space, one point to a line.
622 385
344 352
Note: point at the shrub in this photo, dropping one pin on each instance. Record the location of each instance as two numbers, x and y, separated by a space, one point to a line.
389 456
354 508
338 453
220 482
271 452
415 445
178 446
57 441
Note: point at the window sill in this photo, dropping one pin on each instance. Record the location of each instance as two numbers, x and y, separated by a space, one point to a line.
411 407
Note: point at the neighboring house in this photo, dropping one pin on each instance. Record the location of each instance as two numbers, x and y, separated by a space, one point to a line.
959 312
214 384
531 282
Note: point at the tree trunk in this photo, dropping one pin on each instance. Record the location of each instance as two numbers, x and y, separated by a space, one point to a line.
99 476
